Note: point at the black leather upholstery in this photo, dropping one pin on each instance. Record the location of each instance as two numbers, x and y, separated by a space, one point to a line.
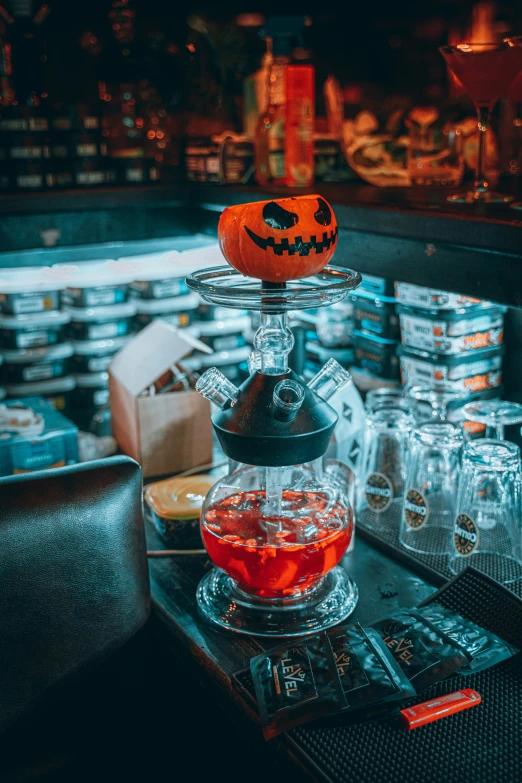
73 574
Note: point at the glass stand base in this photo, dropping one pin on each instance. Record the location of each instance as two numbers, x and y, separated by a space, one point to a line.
223 603
490 197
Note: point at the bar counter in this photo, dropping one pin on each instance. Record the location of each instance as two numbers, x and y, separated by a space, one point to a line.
214 656
409 234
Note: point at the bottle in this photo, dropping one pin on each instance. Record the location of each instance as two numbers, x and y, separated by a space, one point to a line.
299 129
255 93
269 141
27 54
7 94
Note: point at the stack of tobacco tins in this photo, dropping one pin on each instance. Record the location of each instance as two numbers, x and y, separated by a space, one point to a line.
161 292
375 335
62 149
95 296
33 338
450 341
328 335
78 150
61 326
228 332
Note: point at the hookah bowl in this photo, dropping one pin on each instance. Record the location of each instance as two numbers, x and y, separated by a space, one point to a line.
278 524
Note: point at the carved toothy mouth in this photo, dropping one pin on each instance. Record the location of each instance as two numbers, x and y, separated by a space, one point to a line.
297 246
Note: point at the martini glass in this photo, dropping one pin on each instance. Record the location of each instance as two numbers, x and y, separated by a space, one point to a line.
485 70
495 414
515 95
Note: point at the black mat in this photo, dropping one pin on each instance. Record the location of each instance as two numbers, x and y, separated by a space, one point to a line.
433 566
482 745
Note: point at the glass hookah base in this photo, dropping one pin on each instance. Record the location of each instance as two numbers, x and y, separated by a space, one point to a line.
329 602
471 197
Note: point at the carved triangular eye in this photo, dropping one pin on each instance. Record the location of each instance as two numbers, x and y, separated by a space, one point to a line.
277 217
323 215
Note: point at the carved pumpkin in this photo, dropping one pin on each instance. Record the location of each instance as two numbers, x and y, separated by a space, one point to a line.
279 240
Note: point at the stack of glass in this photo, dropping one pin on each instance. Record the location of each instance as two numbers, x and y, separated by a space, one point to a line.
442 495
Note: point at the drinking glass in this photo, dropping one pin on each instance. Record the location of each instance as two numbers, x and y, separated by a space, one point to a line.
434 458
435 155
487 531
495 414
386 397
434 401
486 71
515 94
384 470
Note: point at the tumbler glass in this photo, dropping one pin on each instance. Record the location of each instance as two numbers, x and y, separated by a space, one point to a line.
487 532
387 397
435 155
387 434
434 458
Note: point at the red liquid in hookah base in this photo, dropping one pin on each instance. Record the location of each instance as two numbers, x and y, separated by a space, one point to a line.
485 75
307 548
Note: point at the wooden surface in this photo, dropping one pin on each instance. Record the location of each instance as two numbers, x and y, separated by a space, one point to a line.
214 655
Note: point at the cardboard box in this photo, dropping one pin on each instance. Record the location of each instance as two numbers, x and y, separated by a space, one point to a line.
166 433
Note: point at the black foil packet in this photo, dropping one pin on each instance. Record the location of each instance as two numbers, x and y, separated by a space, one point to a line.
485 648
295 683
425 654
367 671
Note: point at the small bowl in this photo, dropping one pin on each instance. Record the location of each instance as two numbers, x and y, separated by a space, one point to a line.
379 160
175 506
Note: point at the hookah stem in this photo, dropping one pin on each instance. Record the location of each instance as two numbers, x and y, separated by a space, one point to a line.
274 501
274 475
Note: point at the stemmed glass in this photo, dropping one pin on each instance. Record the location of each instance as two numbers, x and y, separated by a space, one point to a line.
515 95
486 71
495 414
439 398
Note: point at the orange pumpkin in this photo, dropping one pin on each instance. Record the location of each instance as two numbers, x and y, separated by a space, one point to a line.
279 240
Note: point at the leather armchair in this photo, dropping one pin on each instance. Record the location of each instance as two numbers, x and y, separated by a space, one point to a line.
73 575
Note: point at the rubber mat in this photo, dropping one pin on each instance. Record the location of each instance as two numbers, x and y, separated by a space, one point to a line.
434 566
482 745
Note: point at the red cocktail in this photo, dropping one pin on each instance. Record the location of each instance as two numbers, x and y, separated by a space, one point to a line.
277 556
515 95
486 70
515 90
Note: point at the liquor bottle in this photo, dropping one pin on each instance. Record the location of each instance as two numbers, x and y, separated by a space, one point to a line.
269 142
7 94
28 52
300 116
283 142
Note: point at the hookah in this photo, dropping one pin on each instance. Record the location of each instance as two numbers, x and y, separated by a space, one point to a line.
277 526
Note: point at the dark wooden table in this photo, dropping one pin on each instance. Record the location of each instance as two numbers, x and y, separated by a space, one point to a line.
214 655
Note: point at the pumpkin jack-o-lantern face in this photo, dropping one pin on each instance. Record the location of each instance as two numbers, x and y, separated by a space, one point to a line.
279 240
